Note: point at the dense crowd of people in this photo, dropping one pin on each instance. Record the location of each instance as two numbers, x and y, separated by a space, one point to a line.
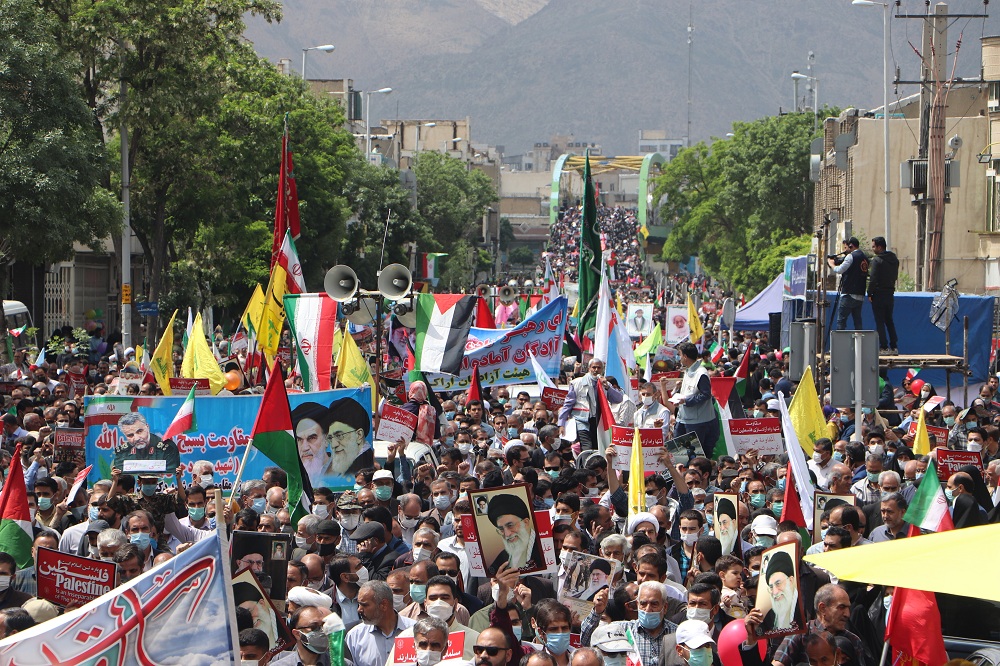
619 236
390 558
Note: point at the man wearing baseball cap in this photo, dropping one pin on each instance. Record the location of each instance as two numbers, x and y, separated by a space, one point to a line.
694 646
611 641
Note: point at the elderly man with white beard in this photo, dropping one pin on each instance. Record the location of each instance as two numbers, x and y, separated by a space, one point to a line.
512 519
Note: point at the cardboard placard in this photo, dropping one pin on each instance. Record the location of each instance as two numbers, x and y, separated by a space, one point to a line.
779 596
585 576
151 466
683 448
554 398
249 593
764 435
71 580
69 443
933 402
950 462
182 386
652 444
940 434
505 529
657 376
77 383
727 529
267 554
823 501
284 356
396 423
405 651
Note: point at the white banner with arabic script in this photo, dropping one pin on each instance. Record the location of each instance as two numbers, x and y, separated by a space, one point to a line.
502 354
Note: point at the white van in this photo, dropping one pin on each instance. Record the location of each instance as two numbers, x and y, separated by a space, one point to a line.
16 315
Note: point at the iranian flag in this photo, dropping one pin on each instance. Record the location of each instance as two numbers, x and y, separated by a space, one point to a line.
443 324
288 258
15 519
911 374
605 419
715 350
428 265
312 319
929 508
272 436
184 420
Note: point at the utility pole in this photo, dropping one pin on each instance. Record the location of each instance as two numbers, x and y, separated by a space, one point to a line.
690 29
935 149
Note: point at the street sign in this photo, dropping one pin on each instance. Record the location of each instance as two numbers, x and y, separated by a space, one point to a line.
147 308
842 368
802 341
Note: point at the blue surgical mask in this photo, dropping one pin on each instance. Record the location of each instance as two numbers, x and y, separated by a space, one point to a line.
383 493
549 502
449 441
757 500
780 485
441 502
872 477
844 418
557 643
700 657
502 401
822 532
44 503
949 495
450 415
140 539
512 432
517 632
758 414
776 508
554 474
93 513
418 592
357 487
196 513
649 621
919 476
149 489
743 486
949 421
259 504
838 456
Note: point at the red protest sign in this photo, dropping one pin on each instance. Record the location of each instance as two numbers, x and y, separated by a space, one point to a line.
554 398
950 462
764 435
71 580
394 423
405 652
69 444
652 443
284 356
77 383
182 385
940 434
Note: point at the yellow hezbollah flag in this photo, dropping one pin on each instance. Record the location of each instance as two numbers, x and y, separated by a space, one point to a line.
352 370
199 361
694 323
907 562
618 305
921 442
636 479
254 310
162 362
272 316
338 339
807 414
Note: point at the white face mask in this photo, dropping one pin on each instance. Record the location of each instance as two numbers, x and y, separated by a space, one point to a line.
5 582
975 446
495 591
207 479
321 511
408 523
689 539
650 501
350 521
702 614
421 554
817 457
428 657
615 660
398 602
647 400
362 575
301 541
440 609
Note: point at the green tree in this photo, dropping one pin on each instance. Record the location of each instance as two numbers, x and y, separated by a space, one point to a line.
460 267
50 161
521 256
738 202
506 233
451 200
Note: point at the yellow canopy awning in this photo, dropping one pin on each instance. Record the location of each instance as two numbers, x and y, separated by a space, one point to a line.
931 562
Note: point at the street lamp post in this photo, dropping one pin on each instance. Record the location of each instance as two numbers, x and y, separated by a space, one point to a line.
325 48
444 144
368 125
885 104
815 82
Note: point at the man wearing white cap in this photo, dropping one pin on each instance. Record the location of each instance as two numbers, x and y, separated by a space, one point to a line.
611 642
763 531
691 644
306 596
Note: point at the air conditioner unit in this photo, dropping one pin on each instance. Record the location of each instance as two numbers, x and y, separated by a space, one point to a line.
913 175
993 105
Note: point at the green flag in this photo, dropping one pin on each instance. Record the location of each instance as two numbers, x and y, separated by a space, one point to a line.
649 345
590 254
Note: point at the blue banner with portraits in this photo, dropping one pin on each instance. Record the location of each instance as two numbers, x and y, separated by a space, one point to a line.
333 433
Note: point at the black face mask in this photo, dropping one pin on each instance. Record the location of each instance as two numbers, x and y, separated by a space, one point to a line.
327 549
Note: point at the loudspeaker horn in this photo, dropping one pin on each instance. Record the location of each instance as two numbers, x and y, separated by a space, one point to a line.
395 281
507 294
362 312
341 283
406 313
483 290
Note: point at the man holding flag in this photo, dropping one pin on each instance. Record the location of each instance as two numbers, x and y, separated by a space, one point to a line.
692 400
582 404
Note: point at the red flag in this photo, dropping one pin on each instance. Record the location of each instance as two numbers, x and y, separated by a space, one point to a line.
475 388
484 318
286 211
913 627
604 415
792 508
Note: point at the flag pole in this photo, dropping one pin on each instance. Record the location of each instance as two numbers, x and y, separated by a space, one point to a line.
227 572
885 652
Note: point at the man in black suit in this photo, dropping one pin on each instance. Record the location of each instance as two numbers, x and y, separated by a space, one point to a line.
377 557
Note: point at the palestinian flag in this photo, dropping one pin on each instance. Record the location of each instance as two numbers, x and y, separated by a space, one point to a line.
288 258
443 324
928 509
184 420
475 388
312 319
15 519
273 436
743 373
484 318
605 419
792 507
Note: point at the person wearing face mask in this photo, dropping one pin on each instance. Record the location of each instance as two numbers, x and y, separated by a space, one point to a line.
327 538
425 546
441 603
702 605
312 645
691 645
581 403
141 532
373 548
867 489
24 580
650 632
347 574
371 641
763 531
442 501
650 413
9 597
408 516
348 514
383 486
822 461
612 644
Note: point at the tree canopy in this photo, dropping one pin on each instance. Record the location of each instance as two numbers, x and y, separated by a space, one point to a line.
743 203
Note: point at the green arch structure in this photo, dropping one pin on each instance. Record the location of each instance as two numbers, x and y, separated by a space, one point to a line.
556 178
648 162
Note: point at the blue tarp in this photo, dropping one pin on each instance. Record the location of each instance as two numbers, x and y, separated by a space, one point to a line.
917 335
